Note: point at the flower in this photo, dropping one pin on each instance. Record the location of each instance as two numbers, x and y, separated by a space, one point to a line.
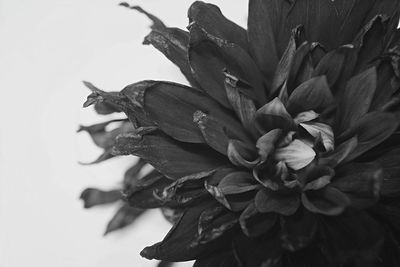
284 149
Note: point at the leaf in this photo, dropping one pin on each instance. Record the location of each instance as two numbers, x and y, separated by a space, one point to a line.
125 216
93 197
356 99
313 94
170 157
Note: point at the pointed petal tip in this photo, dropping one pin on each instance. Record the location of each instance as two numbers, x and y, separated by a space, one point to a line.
148 252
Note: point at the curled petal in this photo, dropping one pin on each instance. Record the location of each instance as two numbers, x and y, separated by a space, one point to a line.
328 201
296 155
254 223
240 155
237 182
340 154
273 115
270 201
306 116
266 143
321 129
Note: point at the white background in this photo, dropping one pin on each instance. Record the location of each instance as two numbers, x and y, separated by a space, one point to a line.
46 48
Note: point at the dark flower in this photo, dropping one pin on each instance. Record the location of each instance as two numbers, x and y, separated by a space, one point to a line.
284 151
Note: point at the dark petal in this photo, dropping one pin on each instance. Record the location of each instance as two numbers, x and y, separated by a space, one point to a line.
254 223
266 143
125 216
172 215
273 115
313 94
104 108
103 138
270 201
262 33
219 259
371 130
243 106
213 223
356 99
210 18
353 235
172 158
216 192
157 23
242 155
237 182
360 181
165 264
331 65
300 58
142 194
387 85
213 131
93 197
103 157
259 252
131 176
171 107
390 163
339 155
177 244
370 42
184 190
210 57
173 43
298 230
285 63
328 201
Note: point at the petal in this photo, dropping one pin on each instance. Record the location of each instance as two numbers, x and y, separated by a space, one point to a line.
131 176
210 56
241 155
313 94
243 106
171 107
173 43
390 163
321 129
298 230
301 56
340 154
270 201
356 99
331 65
262 33
328 201
285 63
371 130
157 23
296 155
266 143
360 181
254 223
237 182
353 235
123 217
273 115
387 85
172 158
176 246
93 197
210 18
306 116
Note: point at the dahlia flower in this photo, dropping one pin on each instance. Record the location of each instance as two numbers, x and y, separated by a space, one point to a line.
284 149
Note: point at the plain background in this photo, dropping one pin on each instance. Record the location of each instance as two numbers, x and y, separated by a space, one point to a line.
47 47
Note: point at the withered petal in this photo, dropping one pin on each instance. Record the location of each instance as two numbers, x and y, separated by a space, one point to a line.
125 216
93 197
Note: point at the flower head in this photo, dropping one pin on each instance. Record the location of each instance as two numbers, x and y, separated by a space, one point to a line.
283 151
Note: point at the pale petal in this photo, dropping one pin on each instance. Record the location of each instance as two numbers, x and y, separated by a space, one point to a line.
297 155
